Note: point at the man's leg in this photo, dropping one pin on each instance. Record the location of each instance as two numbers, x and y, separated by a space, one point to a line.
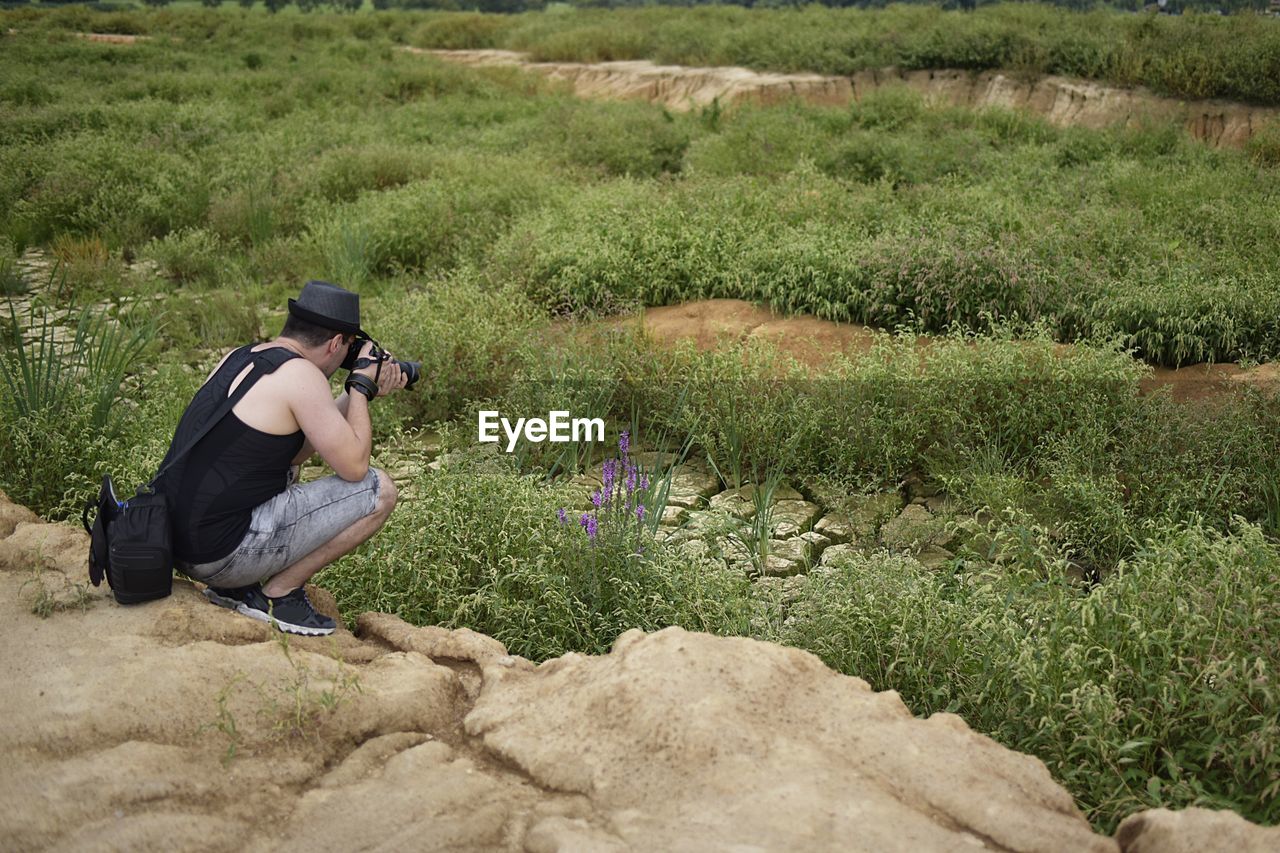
345 541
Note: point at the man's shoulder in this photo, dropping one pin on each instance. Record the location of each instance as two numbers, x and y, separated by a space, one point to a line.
299 372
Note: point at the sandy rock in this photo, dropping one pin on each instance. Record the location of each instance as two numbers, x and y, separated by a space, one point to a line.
54 546
934 557
421 798
785 590
836 527
460 644
817 542
733 503
11 515
186 617
792 556
673 516
790 518
916 529
836 553
1194 830
691 486
653 461
675 721
154 727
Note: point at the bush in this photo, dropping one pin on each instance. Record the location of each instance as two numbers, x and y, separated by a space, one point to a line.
104 184
1264 147
188 256
470 339
58 404
483 548
619 139
462 31
435 223
1150 690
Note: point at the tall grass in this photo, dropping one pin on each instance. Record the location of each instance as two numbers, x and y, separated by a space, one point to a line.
61 386
1154 689
484 548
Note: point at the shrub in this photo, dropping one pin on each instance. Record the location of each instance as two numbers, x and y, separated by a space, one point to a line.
103 184
470 339
483 548
187 256
619 139
1150 690
435 223
1264 146
463 31
58 403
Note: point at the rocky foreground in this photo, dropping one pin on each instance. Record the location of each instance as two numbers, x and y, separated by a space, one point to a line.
179 725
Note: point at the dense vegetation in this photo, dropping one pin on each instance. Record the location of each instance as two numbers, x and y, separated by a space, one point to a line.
186 185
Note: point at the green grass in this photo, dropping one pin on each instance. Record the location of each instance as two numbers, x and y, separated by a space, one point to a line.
1153 689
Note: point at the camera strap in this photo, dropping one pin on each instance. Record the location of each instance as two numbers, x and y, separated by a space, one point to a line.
263 364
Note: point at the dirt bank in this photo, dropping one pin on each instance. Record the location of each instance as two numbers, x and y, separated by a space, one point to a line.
180 725
1061 100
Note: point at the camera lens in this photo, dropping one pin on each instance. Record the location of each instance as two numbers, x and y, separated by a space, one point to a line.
410 369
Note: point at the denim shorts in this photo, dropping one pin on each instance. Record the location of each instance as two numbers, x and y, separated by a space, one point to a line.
289 527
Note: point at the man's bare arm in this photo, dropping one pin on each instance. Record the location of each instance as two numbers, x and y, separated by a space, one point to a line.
344 439
308 450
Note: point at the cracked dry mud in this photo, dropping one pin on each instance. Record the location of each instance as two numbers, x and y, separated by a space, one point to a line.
119 723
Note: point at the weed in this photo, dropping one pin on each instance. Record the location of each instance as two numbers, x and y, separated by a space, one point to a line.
296 708
46 601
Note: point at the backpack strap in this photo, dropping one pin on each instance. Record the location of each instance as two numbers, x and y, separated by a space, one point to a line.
264 362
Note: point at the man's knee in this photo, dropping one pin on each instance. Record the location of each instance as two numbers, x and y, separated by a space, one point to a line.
387 493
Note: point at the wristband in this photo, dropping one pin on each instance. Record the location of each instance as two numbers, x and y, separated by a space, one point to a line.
363 384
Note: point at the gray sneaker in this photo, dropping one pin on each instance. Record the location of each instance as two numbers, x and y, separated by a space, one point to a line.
291 613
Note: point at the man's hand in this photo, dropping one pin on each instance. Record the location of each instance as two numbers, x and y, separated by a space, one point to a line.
392 379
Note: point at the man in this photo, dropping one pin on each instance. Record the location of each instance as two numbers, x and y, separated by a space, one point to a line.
240 522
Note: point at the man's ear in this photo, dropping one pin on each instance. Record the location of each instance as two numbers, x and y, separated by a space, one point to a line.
335 343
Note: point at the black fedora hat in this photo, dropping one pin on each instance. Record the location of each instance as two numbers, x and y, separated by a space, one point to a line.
328 306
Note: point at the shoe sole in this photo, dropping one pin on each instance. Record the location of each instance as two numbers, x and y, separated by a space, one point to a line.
287 627
221 600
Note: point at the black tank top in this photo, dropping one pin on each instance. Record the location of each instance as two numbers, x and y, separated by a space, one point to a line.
213 489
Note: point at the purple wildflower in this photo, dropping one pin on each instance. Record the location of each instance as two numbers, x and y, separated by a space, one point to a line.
562 515
624 442
609 471
597 498
644 482
639 512
586 519
631 478
592 527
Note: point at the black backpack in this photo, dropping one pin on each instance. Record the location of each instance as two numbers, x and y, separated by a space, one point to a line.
130 542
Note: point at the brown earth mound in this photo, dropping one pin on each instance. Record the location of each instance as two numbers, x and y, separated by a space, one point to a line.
1061 100
180 725
712 323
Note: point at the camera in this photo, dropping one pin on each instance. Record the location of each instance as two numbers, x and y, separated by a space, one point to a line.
353 361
